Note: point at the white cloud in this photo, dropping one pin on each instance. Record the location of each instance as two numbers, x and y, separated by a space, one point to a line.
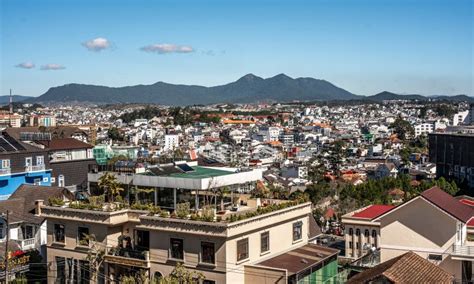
163 48
52 67
97 44
26 65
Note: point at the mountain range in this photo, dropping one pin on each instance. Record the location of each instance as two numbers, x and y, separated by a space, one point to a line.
248 89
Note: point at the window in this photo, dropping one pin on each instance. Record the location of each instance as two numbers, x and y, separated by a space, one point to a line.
208 281
5 164
366 233
85 272
143 240
357 232
208 253
61 182
59 233
351 232
28 161
357 245
28 232
176 248
242 249
436 257
83 236
39 160
60 269
264 242
350 245
297 231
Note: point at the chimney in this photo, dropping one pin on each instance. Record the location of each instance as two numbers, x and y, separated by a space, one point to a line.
38 204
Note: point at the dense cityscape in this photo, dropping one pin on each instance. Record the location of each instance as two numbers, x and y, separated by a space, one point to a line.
236 142
315 192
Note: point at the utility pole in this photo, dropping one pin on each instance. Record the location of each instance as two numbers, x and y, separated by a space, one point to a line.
6 247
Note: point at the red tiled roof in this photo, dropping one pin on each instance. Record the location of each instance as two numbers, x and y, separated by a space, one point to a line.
467 202
406 268
470 223
448 203
373 211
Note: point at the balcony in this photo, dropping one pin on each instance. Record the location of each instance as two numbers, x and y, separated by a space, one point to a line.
128 257
27 244
462 252
36 168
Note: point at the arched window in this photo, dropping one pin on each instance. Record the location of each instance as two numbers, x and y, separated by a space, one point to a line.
366 233
157 276
351 232
357 232
374 237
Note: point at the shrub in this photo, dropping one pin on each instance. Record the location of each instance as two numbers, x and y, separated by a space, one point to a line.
56 201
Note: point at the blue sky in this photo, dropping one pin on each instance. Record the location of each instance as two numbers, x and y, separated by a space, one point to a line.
364 46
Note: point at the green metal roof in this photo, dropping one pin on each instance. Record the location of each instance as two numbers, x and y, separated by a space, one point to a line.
200 173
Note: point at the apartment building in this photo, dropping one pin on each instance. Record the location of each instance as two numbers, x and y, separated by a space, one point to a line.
21 163
253 248
434 225
453 155
69 160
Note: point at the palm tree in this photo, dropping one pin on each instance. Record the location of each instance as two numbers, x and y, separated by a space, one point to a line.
109 184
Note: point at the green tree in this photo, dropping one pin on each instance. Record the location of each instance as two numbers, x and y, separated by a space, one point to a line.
180 275
109 184
402 128
114 134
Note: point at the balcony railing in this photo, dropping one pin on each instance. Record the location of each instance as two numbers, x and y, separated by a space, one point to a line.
128 257
28 244
463 250
5 171
35 168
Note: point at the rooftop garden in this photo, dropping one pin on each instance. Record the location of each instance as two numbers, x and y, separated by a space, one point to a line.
111 201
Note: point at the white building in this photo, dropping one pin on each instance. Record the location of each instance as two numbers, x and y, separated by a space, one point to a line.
171 142
423 128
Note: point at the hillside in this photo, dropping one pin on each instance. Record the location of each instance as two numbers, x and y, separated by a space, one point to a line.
248 89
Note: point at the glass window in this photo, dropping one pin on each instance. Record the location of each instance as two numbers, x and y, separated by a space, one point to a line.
61 182
366 233
207 253
143 240
5 164
59 233
85 272
350 245
176 250
265 242
297 231
83 236
60 269
208 281
242 249
39 160
357 232
351 231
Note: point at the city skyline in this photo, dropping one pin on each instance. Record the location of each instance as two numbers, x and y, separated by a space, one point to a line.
422 47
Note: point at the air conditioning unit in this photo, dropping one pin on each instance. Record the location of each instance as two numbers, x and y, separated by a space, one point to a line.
45 179
53 179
